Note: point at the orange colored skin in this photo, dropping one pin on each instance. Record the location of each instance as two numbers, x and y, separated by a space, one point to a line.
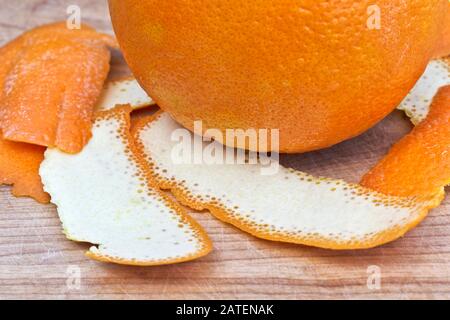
19 166
420 163
312 69
443 48
51 80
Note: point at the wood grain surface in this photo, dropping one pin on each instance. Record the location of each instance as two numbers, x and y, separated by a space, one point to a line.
36 261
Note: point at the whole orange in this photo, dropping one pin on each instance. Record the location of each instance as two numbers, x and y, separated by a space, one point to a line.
319 71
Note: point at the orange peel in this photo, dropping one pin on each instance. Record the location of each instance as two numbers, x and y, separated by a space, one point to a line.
289 206
417 103
443 47
124 91
51 80
420 163
19 162
105 196
19 166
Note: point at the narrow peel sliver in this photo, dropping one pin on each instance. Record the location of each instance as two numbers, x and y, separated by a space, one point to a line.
289 206
419 164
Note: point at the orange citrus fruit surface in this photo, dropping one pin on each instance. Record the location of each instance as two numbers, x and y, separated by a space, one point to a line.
319 71
443 47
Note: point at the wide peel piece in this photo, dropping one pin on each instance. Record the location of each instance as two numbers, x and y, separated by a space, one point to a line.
50 81
19 162
105 197
288 206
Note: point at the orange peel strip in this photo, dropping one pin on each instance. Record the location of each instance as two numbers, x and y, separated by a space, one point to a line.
124 91
289 206
420 163
19 166
105 197
417 103
51 82
19 162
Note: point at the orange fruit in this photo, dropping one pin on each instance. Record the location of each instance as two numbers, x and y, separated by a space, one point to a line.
443 48
312 69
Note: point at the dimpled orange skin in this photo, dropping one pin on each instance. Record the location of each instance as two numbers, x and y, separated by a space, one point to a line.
310 68
443 48
19 166
51 78
420 163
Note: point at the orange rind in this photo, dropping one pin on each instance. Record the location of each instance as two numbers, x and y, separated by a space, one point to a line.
289 206
19 162
105 196
19 166
51 80
124 91
443 47
420 163
417 103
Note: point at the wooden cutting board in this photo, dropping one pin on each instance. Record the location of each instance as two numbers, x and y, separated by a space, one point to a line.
36 261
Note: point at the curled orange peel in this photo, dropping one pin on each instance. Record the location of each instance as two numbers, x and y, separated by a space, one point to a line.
50 82
105 196
19 162
352 210
19 166
289 206
420 163
417 103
